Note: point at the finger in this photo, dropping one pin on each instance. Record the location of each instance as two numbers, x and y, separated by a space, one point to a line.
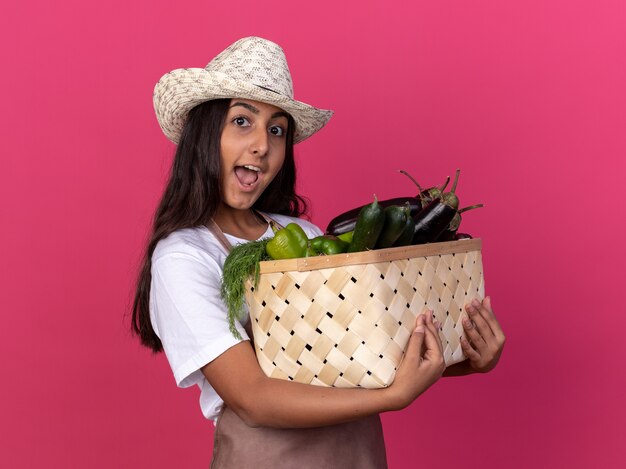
414 348
432 342
430 324
429 321
419 320
479 322
487 313
473 335
469 352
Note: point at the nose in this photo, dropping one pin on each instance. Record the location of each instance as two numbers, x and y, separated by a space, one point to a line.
259 145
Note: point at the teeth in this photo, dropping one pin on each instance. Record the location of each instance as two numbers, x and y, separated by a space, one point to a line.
252 168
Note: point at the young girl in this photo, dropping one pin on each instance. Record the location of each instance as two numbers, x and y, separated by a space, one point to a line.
235 123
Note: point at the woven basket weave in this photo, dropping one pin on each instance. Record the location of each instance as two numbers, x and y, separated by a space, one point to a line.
345 320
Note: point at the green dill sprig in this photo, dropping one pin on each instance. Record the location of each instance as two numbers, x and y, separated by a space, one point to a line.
241 264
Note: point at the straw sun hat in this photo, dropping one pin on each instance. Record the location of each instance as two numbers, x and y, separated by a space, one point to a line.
251 68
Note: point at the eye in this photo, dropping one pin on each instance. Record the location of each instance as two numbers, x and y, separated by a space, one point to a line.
277 130
241 121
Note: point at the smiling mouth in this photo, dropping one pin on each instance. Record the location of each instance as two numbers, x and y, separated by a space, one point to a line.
247 174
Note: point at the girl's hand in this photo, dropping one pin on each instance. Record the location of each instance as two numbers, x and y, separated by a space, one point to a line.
486 337
422 364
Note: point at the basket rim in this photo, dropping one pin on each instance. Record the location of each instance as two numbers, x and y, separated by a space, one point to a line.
304 264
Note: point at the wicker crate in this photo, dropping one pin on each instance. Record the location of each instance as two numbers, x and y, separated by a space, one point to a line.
345 320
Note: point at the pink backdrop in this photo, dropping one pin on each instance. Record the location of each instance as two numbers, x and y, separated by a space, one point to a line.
526 97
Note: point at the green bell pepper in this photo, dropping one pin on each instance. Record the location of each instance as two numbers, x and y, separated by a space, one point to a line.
329 245
288 243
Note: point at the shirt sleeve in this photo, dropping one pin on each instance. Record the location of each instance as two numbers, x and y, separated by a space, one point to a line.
189 315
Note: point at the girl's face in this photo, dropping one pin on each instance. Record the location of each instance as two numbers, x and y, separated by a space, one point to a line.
252 151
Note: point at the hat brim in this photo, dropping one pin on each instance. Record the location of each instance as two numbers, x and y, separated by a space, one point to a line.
179 91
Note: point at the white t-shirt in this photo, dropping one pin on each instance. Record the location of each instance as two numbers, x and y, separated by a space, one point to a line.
186 310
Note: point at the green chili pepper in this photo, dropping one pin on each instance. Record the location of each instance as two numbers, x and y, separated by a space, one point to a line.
288 243
329 245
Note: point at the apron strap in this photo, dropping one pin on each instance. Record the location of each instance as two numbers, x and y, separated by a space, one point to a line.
273 223
221 237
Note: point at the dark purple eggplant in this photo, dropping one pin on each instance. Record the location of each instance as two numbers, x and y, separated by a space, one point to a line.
432 221
451 198
430 194
347 220
449 234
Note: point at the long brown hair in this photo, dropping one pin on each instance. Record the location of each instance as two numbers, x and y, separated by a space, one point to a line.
192 196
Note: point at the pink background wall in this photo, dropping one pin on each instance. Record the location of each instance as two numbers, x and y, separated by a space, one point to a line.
526 97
